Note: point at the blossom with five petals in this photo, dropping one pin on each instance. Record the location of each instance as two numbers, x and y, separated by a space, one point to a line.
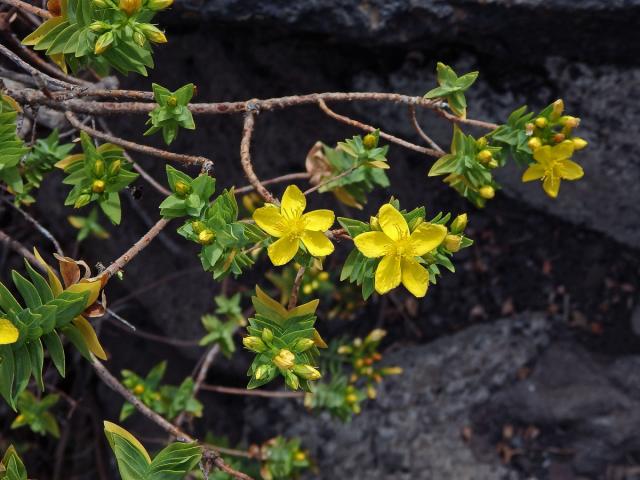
552 165
400 249
291 226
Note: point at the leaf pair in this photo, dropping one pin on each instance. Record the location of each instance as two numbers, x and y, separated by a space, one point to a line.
172 112
452 88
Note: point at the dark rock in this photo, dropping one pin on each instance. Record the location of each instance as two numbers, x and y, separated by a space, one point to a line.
413 429
595 403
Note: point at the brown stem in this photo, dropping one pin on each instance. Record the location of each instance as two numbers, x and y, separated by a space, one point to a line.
245 157
255 393
293 299
18 248
44 231
156 152
159 420
176 342
416 125
280 179
466 121
368 128
34 73
27 7
137 247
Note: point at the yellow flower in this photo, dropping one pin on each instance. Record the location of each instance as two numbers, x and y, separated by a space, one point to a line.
399 250
290 226
553 164
8 332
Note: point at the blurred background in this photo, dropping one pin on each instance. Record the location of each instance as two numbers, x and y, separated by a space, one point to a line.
525 363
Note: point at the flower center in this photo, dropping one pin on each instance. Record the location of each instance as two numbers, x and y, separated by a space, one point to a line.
402 246
296 227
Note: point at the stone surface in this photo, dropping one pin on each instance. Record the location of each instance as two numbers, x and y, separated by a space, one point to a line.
413 429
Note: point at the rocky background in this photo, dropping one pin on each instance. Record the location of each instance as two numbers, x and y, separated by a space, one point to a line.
522 365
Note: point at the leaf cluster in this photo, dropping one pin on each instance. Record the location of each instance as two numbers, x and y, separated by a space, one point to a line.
11 466
283 459
12 147
172 112
452 88
35 413
220 331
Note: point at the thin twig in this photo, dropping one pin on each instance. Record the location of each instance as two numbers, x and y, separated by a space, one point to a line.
280 179
156 152
421 132
44 231
245 157
32 71
293 299
368 128
254 393
176 342
27 7
326 182
18 248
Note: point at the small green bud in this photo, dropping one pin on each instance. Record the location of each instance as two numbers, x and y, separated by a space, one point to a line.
267 335
98 186
114 168
254 344
284 360
558 108
459 223
182 189
104 41
99 26
307 372
198 226
303 345
493 163
98 168
369 141
100 3
291 380
205 237
82 200
139 38
452 242
569 121
481 142
261 372
159 4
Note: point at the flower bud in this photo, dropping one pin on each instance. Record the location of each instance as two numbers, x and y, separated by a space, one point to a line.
99 26
541 122
291 380
345 350
558 108
300 456
307 372
82 200
452 243
369 141
303 345
493 163
284 360
375 335
579 143
182 189
153 33
198 226
172 101
267 335
307 289
323 276
98 168
569 121
351 398
100 3
487 192
559 137
114 168
371 392
104 41
139 38
261 372
159 4
481 142
254 344
459 223
375 223
529 128
484 156
98 186
138 389
534 143
391 371
205 237
130 6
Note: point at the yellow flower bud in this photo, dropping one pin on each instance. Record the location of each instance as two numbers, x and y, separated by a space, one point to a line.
114 168
300 456
459 223
284 360
452 242
138 389
98 168
197 226
98 26
569 121
541 122
100 3
344 350
205 237
375 335
104 41
375 223
351 398
153 33
534 143
130 6
371 392
487 192
291 380
558 108
82 200
20 418
559 137
307 289
267 335
172 101
579 143
98 186
159 4
254 344
139 38
391 371
369 141
529 128
182 188
493 163
307 372
303 345
261 372
484 156
324 276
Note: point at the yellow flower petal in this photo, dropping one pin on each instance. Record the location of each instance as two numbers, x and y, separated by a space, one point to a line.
317 243
392 222
8 332
569 170
563 150
551 185
90 337
270 220
534 172
293 203
388 274
318 220
415 277
426 238
543 155
373 244
283 250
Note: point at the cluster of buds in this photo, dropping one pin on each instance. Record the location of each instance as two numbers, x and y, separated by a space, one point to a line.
551 127
286 360
453 241
317 281
102 173
363 356
205 234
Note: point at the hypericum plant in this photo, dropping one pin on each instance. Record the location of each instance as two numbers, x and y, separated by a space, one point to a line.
394 247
